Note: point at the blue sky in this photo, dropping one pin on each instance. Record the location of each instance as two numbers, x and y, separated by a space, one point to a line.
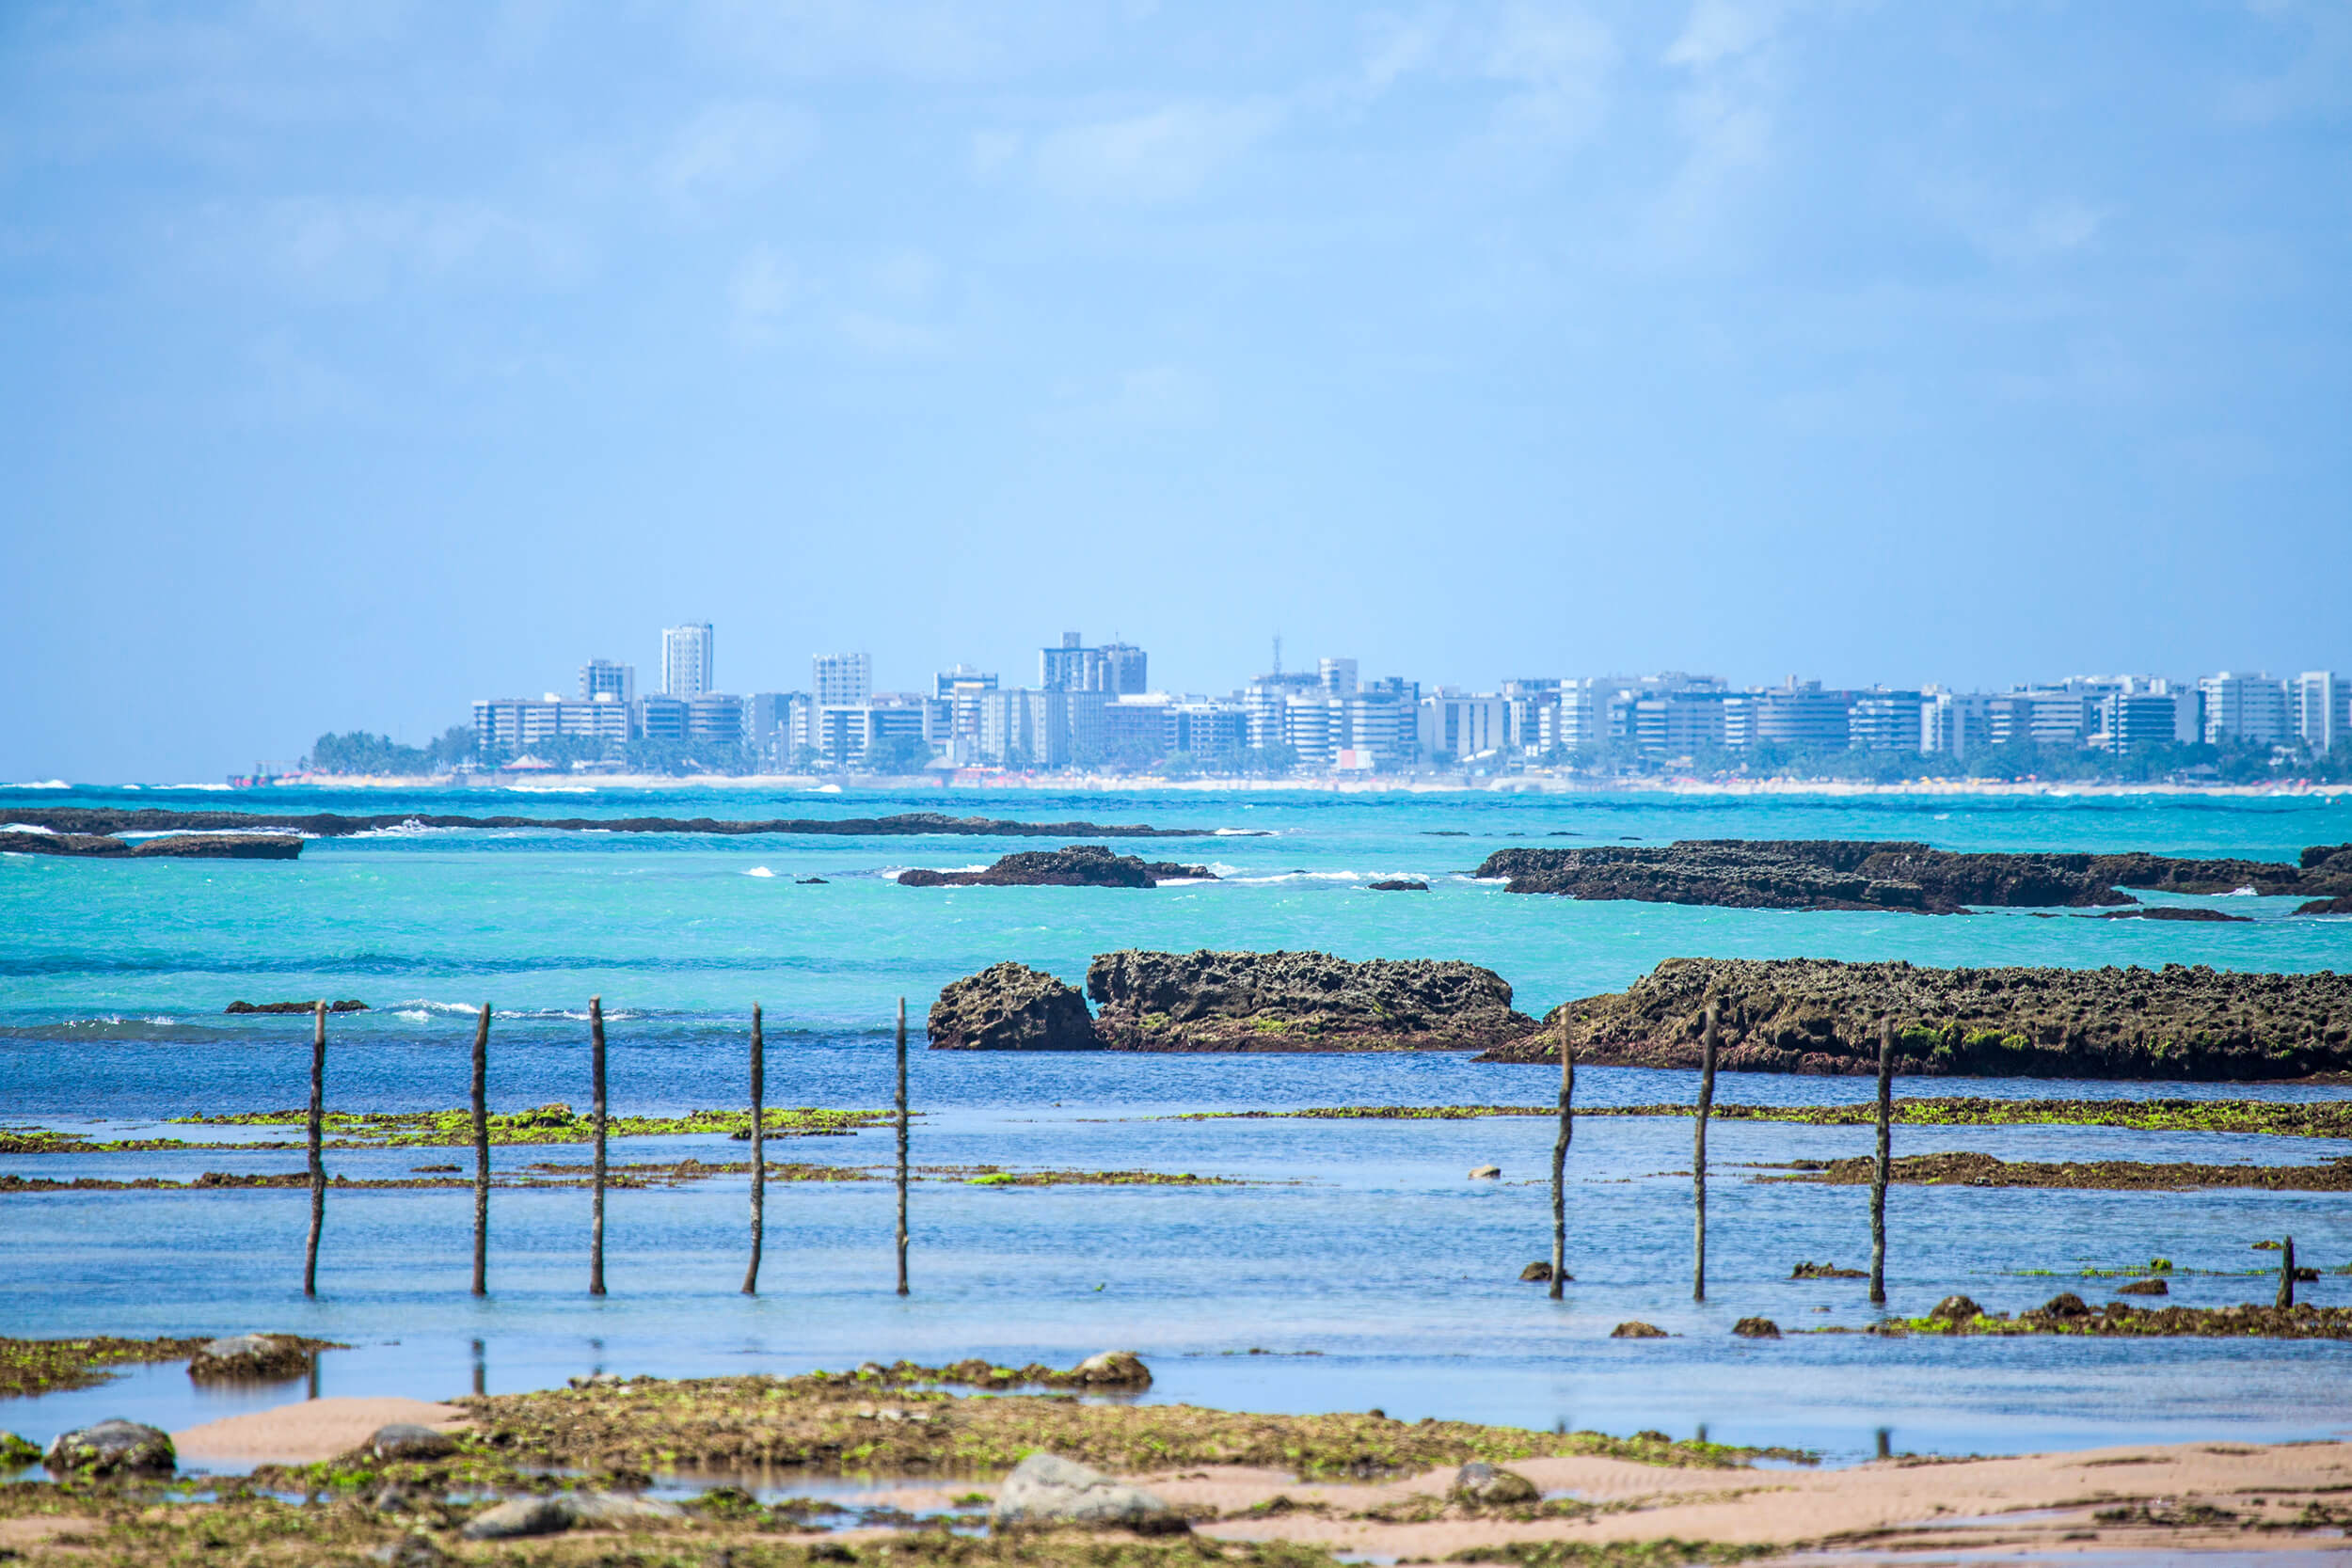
359 358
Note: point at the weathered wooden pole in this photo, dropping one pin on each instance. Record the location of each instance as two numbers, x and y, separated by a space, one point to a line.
2286 1275
1699 1159
1879 1169
481 1153
595 1222
759 1153
1560 1162
902 1146
318 1165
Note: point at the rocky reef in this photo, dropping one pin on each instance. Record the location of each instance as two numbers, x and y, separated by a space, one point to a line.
1207 1001
1011 1007
207 846
1842 873
107 819
1079 865
1816 1015
1260 1002
347 1004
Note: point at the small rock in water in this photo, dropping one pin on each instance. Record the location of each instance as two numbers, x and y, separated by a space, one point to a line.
111 1447
406 1440
1757 1328
1399 885
1484 1485
1955 1310
1486 1173
1045 1489
249 1357
1113 1369
595 1379
2144 1287
415 1550
1542 1271
16 1451
1635 1328
2066 1303
1824 1270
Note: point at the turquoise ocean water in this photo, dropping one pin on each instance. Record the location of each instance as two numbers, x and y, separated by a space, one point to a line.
1359 1252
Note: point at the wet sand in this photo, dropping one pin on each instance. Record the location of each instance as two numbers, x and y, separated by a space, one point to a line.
307 1431
2184 1496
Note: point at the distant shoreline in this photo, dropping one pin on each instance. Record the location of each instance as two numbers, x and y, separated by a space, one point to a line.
1116 783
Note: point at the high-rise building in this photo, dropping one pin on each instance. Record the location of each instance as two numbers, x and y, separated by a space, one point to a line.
1953 723
686 660
602 680
2160 717
2250 708
1115 667
2323 709
1338 676
836 679
1883 721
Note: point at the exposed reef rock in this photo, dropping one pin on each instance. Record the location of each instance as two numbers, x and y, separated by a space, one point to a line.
1834 874
2173 911
1011 1007
252 1358
1208 1001
99 819
348 1004
1815 1015
1399 885
2340 905
1971 1169
1079 865
206 846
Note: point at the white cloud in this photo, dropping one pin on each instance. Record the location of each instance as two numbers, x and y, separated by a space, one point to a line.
1557 61
732 148
362 247
1728 51
1163 155
763 288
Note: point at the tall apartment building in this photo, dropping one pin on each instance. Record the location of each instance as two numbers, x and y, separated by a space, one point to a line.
2159 717
715 716
843 732
961 690
1461 724
1024 728
1799 714
686 660
511 726
836 679
2323 709
601 678
1677 724
1338 677
2250 708
1954 724
1116 668
1883 720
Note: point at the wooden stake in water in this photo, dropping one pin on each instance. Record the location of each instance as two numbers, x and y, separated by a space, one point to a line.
1879 1169
1560 1162
1699 1159
318 1166
2286 1275
902 1146
759 1153
481 1153
595 1222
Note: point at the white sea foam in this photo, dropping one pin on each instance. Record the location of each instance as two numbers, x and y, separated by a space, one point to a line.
759 871
1243 833
24 828
46 784
414 1015
1303 877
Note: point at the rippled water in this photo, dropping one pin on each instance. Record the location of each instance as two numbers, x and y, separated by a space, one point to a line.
1360 1242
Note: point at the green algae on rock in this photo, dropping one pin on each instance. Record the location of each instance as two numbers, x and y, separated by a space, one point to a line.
546 1124
1822 1016
898 1420
1967 1168
2304 1120
2068 1313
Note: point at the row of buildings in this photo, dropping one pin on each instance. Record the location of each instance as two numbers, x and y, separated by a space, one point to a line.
1094 706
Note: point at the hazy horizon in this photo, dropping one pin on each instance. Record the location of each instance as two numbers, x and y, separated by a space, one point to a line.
366 359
